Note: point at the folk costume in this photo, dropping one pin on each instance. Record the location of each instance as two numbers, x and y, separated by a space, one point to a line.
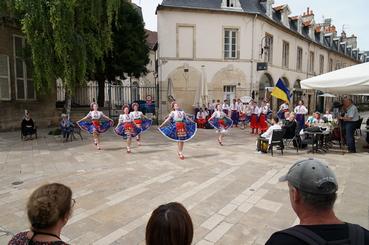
221 123
235 113
254 124
263 125
282 109
300 112
181 128
140 120
127 128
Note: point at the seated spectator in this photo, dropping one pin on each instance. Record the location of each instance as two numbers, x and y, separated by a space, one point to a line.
169 224
328 116
28 126
286 116
267 136
49 208
314 120
66 127
201 118
290 126
313 192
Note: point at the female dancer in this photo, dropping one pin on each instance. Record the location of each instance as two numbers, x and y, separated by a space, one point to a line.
221 122
94 124
127 127
301 111
180 129
264 109
140 120
255 111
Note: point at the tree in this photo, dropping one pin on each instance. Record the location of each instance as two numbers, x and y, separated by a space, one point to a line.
67 38
130 52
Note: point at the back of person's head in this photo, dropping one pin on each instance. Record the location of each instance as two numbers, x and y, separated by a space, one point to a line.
169 224
49 204
315 183
276 119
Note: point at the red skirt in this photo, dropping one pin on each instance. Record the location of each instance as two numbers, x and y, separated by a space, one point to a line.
181 129
222 123
138 122
254 121
262 122
201 121
128 127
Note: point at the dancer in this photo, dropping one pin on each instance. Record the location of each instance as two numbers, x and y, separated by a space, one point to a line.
181 128
264 109
140 120
243 116
301 111
220 122
201 118
95 124
282 109
255 111
127 127
235 112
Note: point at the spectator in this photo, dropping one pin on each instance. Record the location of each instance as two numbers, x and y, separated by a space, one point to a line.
267 136
169 224
313 191
290 126
328 116
349 123
28 126
49 208
314 120
66 127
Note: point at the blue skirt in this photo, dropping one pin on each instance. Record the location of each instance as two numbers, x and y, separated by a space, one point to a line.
171 132
127 129
226 124
145 124
90 128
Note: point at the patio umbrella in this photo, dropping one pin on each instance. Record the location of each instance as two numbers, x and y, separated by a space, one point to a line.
349 80
246 99
204 90
171 96
197 103
328 95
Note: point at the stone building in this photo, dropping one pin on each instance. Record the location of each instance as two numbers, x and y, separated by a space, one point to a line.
230 39
17 92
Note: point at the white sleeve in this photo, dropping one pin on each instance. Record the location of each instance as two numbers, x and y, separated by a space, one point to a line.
89 115
121 118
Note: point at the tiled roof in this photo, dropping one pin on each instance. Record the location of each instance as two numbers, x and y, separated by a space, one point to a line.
152 38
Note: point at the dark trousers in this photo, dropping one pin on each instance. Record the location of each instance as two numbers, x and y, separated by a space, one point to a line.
349 134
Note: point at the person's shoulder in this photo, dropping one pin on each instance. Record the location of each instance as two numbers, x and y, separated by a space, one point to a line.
280 238
19 238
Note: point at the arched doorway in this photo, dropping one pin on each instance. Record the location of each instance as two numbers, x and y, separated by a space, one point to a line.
287 84
265 88
297 92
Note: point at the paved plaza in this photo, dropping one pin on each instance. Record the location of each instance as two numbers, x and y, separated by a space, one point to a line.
231 192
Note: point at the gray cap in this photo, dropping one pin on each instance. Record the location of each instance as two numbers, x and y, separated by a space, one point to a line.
312 176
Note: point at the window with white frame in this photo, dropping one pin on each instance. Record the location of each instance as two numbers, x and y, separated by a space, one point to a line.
311 62
321 64
24 88
285 54
231 43
299 59
268 48
4 77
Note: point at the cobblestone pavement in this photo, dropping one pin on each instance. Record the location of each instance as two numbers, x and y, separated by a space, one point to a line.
231 192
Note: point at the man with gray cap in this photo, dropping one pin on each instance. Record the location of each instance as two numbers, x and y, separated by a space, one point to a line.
312 189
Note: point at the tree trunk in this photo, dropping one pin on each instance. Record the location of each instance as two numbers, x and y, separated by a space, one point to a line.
101 90
68 102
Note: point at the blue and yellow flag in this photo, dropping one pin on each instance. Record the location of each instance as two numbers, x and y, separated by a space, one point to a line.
281 92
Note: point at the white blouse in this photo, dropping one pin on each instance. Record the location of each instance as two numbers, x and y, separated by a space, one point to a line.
136 115
300 109
95 115
125 118
264 110
177 116
218 114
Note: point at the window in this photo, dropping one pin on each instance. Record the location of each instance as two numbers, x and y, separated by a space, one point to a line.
23 71
285 54
230 44
311 62
4 78
299 59
230 3
229 93
268 48
321 64
185 42
344 65
330 64
338 65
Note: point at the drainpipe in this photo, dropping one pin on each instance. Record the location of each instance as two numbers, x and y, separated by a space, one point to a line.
252 53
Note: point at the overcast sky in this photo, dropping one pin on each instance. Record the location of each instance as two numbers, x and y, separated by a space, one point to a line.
352 15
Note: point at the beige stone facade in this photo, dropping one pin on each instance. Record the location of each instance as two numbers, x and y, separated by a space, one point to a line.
191 38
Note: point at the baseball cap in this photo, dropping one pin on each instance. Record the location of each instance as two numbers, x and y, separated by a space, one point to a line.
312 176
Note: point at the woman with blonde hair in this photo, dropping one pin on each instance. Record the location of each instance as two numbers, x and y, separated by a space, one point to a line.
180 128
95 123
48 209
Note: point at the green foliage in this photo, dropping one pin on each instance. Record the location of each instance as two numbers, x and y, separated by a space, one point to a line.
130 53
66 37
